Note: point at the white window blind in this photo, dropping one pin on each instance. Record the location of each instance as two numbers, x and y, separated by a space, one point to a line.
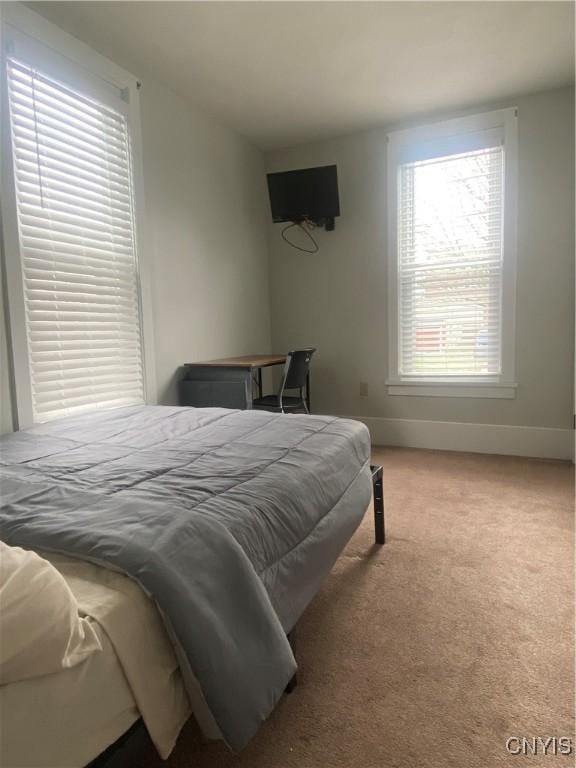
74 197
450 261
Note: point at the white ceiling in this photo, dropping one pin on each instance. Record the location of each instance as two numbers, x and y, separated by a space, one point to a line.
283 73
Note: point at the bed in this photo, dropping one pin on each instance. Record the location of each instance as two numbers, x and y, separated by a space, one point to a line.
228 520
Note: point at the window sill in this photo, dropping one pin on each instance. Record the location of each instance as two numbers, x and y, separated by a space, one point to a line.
478 389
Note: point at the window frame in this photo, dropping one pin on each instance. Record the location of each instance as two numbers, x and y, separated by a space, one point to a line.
89 69
402 146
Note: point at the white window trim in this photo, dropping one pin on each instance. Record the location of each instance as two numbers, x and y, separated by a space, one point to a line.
504 385
18 20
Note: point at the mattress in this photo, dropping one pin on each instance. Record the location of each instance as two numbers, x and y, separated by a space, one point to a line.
66 719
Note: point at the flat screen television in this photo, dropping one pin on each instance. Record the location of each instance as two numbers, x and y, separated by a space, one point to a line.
309 193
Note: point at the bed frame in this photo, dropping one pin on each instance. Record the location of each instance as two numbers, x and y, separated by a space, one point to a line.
129 748
378 495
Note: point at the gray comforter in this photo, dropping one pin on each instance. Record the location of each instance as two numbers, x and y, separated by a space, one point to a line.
228 519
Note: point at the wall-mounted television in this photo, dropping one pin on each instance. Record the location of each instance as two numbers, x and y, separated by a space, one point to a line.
307 194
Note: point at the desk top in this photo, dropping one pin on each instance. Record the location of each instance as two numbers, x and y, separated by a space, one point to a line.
244 361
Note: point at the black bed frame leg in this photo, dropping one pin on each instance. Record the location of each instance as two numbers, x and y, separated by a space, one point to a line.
378 491
293 682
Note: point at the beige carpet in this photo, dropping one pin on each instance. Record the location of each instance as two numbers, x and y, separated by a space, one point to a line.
434 649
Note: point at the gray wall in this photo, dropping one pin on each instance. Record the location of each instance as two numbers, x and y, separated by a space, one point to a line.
336 299
206 234
206 217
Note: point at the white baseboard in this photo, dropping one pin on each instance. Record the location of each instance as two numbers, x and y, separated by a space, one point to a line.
540 442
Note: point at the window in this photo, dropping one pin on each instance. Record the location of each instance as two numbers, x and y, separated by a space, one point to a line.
77 308
452 257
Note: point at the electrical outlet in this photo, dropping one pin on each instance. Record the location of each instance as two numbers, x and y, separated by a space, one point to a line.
363 389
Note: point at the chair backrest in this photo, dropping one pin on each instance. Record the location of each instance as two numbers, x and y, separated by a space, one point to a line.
296 368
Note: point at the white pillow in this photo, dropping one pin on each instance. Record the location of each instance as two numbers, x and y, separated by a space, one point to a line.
40 629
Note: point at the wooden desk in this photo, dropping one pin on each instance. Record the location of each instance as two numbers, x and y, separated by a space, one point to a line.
225 382
244 361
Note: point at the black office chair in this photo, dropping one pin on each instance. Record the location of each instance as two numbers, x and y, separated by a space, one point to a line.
295 376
